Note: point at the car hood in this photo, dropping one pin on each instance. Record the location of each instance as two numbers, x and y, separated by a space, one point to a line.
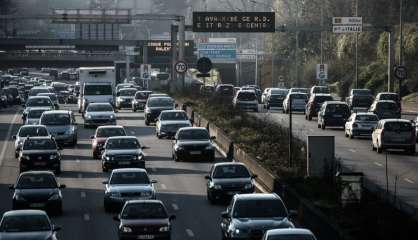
130 188
44 235
58 128
261 223
44 151
111 152
231 181
160 108
39 193
26 110
95 114
174 122
32 121
193 142
145 222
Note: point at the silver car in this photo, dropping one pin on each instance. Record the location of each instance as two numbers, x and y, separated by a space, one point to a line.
28 131
53 98
34 115
360 124
170 121
127 184
299 101
37 101
99 114
125 97
61 125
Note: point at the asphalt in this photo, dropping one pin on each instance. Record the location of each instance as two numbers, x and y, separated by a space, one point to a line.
181 186
356 155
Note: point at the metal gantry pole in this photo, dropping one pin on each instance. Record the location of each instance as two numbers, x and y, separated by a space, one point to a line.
391 60
401 63
356 51
290 132
182 39
256 62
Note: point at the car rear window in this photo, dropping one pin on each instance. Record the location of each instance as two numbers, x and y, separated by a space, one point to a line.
231 171
246 96
393 97
129 178
226 90
321 99
387 106
299 96
259 208
361 92
279 92
367 118
110 132
337 108
398 126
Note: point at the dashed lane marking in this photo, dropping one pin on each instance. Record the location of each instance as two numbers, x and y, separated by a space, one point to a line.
8 136
378 164
190 233
175 207
83 194
86 217
352 150
409 180
163 186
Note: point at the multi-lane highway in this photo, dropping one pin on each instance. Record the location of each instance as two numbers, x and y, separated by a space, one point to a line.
181 185
357 155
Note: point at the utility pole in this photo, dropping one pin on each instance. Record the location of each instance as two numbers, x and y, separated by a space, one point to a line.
272 59
391 59
290 132
256 61
297 47
182 38
356 49
401 62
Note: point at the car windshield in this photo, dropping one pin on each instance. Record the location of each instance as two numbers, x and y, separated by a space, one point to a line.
387 106
129 178
99 108
246 96
56 119
231 171
259 209
30 181
122 143
53 97
33 131
110 132
367 118
38 102
300 90
144 211
142 95
299 96
279 92
39 144
362 92
98 90
398 126
35 113
337 108
389 96
173 116
127 92
25 223
291 237
160 102
193 134
320 90
34 92
321 99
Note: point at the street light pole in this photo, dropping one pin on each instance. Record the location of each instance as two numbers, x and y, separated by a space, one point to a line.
356 50
401 62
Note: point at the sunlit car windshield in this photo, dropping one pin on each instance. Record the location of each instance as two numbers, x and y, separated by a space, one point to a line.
127 92
291 237
193 134
25 223
122 143
259 209
30 181
144 211
129 178
367 118
110 132
98 90
38 102
173 116
160 102
32 131
231 171
55 119
39 144
99 108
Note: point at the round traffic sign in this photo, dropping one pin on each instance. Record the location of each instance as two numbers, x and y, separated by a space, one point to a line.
145 75
401 72
181 67
204 65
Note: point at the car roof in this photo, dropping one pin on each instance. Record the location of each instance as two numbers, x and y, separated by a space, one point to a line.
385 101
110 126
322 95
256 196
24 212
364 113
122 137
395 120
100 104
246 91
145 201
192 128
58 112
119 170
46 94
391 93
175 110
228 164
37 172
129 88
39 108
335 102
38 97
33 126
289 231
39 137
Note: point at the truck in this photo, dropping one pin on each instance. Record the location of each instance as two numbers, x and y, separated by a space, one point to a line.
360 99
96 86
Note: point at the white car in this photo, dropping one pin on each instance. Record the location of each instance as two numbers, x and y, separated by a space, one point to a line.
264 95
246 100
99 114
34 115
360 124
28 131
125 97
170 121
299 101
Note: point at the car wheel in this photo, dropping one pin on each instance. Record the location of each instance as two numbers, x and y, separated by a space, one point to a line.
107 208
58 170
373 148
134 110
351 135
146 122
379 149
323 126
104 169
345 133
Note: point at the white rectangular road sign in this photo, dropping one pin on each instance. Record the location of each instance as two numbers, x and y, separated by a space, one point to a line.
322 71
347 24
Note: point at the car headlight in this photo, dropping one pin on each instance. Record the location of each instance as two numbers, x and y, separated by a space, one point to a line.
210 147
88 116
146 194
107 158
112 116
25 157
164 229
138 157
217 186
54 197
53 156
179 148
248 186
147 110
18 197
69 131
118 99
126 229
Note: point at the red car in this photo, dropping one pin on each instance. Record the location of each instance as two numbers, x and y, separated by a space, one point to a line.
101 135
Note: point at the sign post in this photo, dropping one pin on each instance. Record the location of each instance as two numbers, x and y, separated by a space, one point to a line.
181 67
347 24
145 74
321 72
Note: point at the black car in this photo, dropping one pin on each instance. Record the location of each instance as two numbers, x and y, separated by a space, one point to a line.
154 106
14 94
275 98
333 114
249 216
193 143
140 99
27 224
360 98
227 179
314 104
3 99
144 219
40 153
38 190
385 109
121 152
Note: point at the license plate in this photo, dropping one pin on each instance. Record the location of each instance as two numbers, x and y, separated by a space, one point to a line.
337 116
232 193
37 205
195 152
39 163
124 163
145 237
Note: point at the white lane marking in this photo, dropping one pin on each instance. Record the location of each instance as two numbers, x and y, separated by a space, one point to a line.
8 136
83 194
190 233
77 161
378 164
409 180
175 207
80 175
352 150
86 217
133 132
153 169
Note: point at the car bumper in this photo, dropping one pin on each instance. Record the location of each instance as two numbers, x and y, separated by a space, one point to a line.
225 194
152 117
99 122
362 132
118 164
44 205
247 106
397 146
204 155
340 122
278 104
124 104
137 235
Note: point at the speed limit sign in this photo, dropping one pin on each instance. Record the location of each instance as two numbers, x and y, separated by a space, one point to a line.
181 67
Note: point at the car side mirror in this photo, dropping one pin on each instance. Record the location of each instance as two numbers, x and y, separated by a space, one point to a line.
63 186
145 147
292 213
14 137
254 176
224 214
212 137
176 105
116 218
207 177
56 228
11 187
23 105
172 217
105 182
92 137
154 181
117 94
60 148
